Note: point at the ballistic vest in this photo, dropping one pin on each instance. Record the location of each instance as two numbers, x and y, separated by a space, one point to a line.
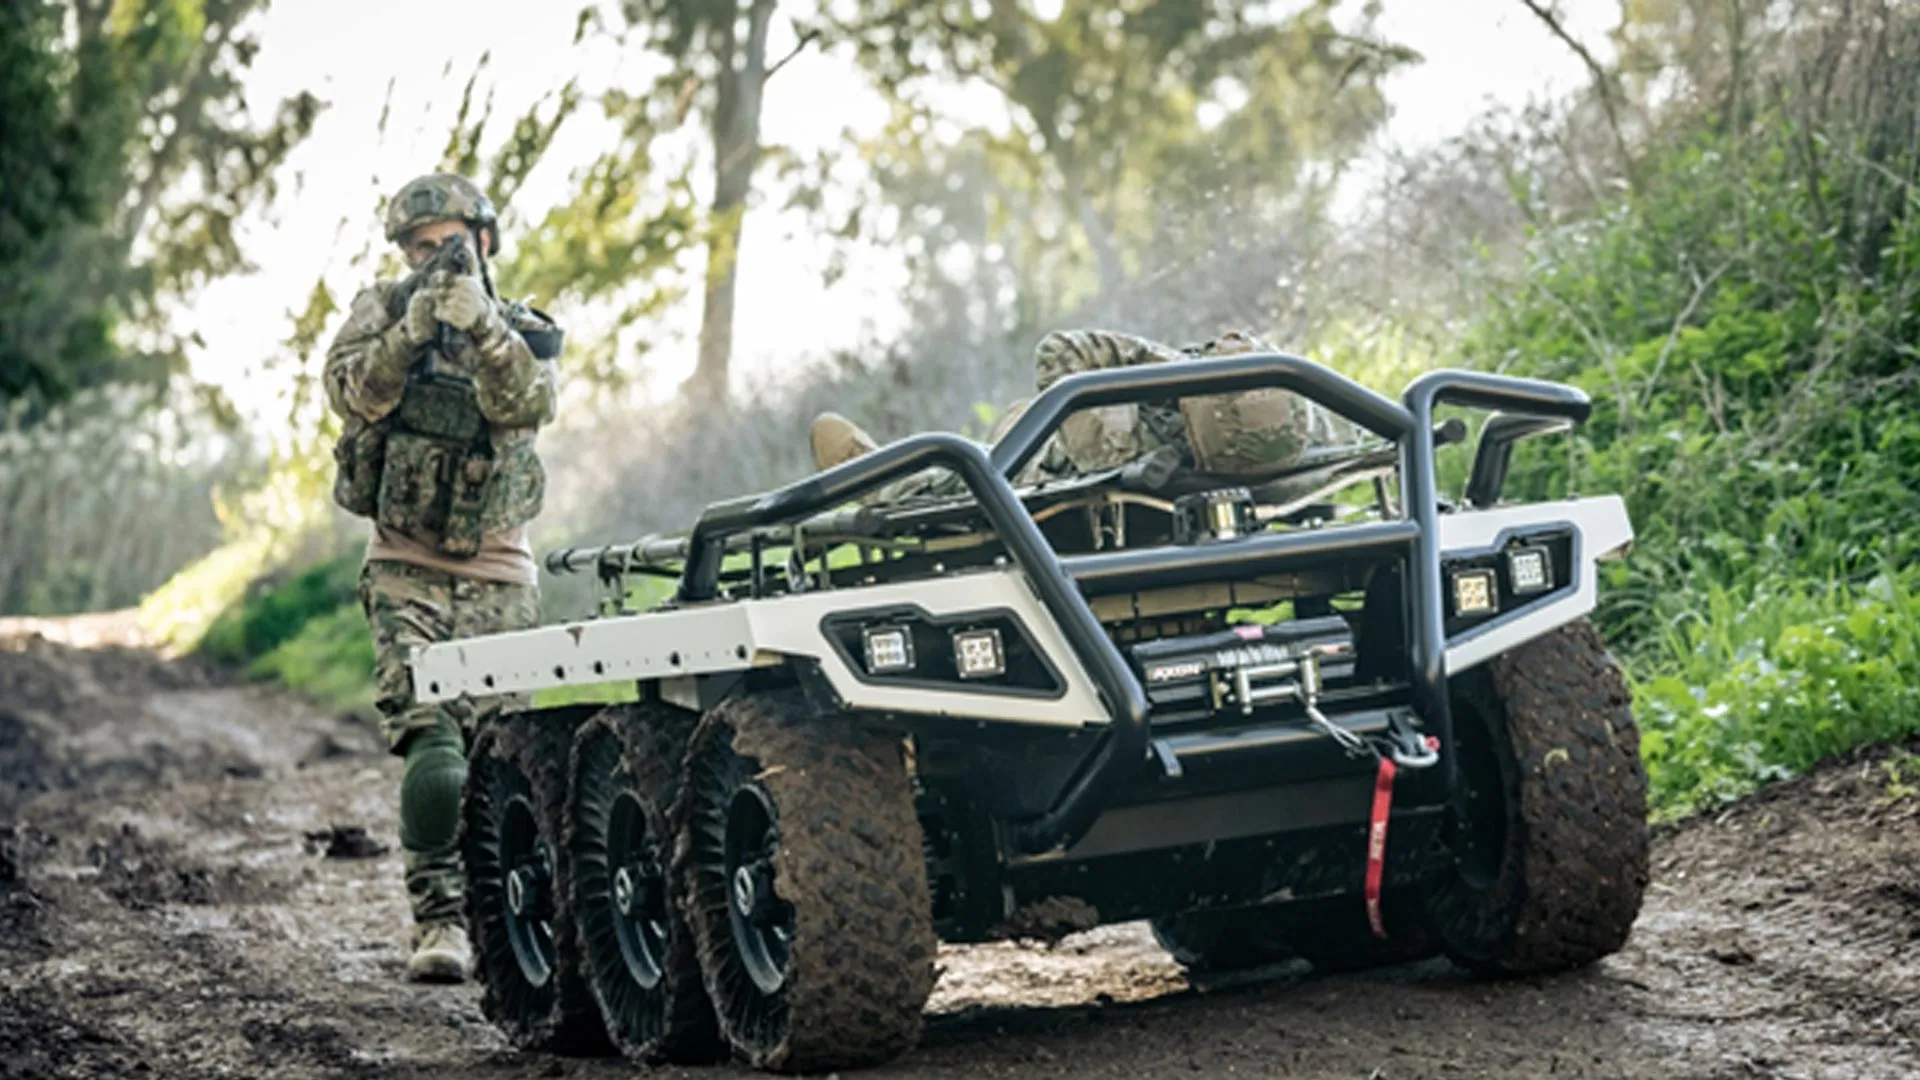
434 469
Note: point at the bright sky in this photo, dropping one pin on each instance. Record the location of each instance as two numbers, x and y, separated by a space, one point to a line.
1478 53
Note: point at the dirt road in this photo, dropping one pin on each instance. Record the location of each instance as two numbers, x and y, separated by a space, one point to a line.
164 912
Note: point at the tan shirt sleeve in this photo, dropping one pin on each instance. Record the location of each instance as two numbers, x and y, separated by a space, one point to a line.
366 369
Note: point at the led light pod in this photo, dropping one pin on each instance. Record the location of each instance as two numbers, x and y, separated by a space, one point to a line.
979 654
1475 592
889 649
1529 570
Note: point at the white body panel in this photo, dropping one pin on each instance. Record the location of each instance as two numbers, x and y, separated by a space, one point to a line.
723 637
1601 528
733 636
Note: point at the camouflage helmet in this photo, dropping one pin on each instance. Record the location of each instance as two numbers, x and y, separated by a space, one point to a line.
441 197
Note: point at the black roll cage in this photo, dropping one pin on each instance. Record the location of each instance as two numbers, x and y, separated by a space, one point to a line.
1523 408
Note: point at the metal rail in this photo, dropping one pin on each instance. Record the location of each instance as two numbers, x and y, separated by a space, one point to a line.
1196 378
1427 631
1495 451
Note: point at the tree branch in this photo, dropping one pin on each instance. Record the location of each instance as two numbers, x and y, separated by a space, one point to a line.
1601 80
806 37
1700 287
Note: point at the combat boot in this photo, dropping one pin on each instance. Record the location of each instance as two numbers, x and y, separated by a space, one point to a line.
440 954
838 440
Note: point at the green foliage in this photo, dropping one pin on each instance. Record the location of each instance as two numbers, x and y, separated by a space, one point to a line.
1757 687
276 611
330 659
1744 322
1142 136
305 631
129 155
616 242
599 693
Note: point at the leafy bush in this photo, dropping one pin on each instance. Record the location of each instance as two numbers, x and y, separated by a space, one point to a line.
330 659
1743 319
1760 687
305 631
275 612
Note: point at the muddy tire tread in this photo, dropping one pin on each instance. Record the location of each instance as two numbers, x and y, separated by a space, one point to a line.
540 748
1576 860
653 741
851 863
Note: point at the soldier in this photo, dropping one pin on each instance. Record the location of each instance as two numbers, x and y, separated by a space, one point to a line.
1244 434
441 387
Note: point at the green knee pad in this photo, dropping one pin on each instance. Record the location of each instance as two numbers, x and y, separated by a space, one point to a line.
430 790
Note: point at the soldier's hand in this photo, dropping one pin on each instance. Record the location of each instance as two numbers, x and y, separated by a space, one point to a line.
464 305
422 319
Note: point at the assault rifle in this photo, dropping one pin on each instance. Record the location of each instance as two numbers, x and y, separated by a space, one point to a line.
454 256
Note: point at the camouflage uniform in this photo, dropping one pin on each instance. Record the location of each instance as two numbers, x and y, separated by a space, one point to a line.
438 450
1245 434
1241 434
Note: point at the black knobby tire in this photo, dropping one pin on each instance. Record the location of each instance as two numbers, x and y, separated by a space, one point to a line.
531 983
1222 942
824 958
640 961
1553 863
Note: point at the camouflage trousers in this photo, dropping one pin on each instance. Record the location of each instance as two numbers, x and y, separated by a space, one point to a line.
409 605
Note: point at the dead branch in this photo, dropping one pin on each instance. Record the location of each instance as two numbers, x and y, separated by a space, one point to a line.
1601 80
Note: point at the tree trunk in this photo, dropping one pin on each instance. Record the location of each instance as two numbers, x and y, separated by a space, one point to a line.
736 152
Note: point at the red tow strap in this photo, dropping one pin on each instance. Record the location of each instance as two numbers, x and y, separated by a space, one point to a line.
1377 844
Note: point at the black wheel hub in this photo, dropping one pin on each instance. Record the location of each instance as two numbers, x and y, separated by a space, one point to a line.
529 891
762 923
637 889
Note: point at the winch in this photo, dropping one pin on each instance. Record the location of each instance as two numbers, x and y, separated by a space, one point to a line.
1191 678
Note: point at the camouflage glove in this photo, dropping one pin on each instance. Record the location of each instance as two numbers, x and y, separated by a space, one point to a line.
421 321
394 347
464 305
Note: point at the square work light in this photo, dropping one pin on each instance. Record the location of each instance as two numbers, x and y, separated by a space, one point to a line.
889 649
978 654
1474 592
1529 570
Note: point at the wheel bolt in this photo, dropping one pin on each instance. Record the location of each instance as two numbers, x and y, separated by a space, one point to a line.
632 892
745 891
527 886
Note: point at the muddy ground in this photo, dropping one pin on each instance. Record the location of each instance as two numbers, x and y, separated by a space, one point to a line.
169 907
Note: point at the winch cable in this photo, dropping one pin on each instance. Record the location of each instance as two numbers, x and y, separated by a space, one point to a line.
1399 748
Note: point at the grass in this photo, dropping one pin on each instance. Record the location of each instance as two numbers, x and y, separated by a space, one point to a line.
305 631
330 659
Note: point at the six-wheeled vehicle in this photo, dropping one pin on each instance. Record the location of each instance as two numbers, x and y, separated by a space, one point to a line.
1326 714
